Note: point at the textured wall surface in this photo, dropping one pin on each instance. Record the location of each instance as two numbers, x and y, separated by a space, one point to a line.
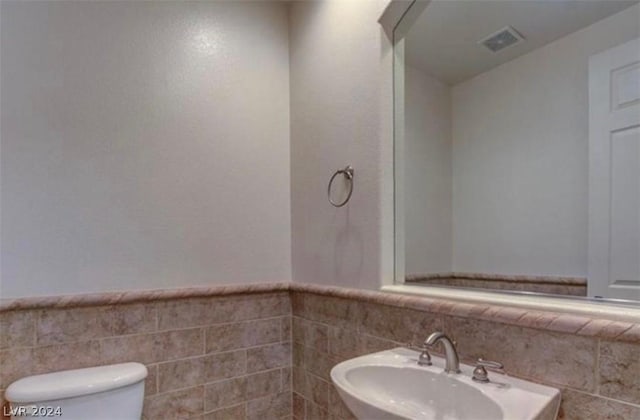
597 377
229 353
144 145
225 357
335 121
427 174
520 161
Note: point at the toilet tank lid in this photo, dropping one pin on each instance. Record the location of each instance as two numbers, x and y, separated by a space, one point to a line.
74 383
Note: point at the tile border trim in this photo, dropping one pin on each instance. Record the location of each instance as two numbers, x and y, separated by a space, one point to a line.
114 298
565 323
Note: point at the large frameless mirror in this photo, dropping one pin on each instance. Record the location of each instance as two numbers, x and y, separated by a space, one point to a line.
517 147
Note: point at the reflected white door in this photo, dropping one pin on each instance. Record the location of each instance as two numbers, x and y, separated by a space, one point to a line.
614 172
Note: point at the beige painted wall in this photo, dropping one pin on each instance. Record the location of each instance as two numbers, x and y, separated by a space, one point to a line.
427 174
337 82
520 134
144 145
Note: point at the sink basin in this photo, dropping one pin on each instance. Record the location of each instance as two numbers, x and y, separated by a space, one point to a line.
391 385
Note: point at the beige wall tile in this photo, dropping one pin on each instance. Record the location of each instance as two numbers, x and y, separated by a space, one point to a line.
151 382
66 356
298 411
15 364
268 357
319 364
225 393
327 310
337 406
218 310
271 407
225 365
398 324
548 357
56 326
297 357
224 337
258 306
334 329
344 343
185 313
632 335
264 383
318 390
372 344
134 348
312 334
311 387
175 358
131 319
604 328
17 329
580 406
180 374
286 378
236 412
153 348
178 405
299 381
315 412
19 363
553 358
620 371
285 328
180 343
232 391
297 303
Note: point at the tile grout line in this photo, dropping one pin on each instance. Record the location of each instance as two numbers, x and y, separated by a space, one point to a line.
596 373
219 381
143 334
223 323
155 330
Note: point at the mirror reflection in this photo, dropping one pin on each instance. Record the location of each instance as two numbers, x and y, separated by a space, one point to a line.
518 148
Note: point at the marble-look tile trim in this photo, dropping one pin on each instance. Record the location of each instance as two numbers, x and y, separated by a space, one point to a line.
113 298
598 378
208 357
543 320
514 278
545 287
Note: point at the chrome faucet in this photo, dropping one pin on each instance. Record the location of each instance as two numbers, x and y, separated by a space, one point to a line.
451 355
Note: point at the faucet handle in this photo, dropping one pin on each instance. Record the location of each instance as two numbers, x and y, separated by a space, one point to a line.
480 374
425 358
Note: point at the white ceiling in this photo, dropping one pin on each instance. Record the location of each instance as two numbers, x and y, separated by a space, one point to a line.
444 39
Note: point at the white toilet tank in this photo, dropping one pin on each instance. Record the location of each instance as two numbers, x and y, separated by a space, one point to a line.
102 392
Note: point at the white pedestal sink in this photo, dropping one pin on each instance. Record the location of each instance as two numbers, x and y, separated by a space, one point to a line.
391 385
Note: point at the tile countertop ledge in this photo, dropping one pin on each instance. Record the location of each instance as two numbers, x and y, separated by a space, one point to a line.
592 320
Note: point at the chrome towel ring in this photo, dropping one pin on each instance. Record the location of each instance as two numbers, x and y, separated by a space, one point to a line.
348 173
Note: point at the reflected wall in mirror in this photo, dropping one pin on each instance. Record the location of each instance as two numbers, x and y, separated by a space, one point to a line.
518 146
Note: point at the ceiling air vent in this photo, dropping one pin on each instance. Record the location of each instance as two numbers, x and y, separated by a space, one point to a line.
505 37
